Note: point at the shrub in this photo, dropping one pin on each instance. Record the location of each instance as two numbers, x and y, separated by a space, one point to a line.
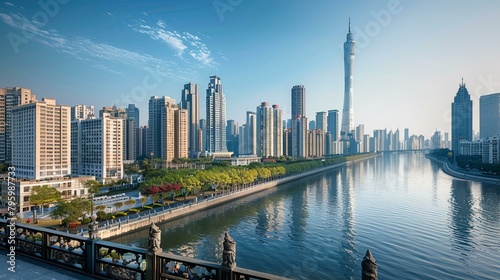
133 210
121 214
86 220
101 215
157 205
147 207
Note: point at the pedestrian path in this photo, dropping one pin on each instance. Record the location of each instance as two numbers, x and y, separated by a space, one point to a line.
28 268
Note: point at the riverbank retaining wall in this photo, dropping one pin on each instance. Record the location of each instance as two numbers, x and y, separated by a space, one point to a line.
161 216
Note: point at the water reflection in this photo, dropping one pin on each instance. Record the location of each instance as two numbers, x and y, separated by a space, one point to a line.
432 227
348 253
462 214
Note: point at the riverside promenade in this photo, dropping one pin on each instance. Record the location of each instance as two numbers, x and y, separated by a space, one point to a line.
160 214
460 173
42 253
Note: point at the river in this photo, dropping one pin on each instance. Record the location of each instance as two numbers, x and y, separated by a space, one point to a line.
418 222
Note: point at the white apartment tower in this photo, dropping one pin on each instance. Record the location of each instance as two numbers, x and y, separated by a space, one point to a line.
97 147
82 112
278 131
41 132
9 98
190 101
265 130
216 117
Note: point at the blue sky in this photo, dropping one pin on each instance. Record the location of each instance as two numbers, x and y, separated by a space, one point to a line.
410 55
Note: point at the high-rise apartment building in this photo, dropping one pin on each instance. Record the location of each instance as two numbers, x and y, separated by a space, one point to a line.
129 128
299 137
97 147
41 132
157 110
321 121
133 114
190 100
181 134
461 118
489 115
265 130
348 110
360 132
82 112
333 124
9 98
278 131
141 141
232 138
216 117
248 143
298 101
167 129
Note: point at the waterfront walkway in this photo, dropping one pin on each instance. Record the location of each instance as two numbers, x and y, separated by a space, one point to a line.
28 268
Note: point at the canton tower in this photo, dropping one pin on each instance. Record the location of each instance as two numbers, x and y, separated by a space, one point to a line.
348 111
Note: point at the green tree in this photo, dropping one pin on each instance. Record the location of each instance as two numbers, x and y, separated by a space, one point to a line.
71 211
92 186
44 195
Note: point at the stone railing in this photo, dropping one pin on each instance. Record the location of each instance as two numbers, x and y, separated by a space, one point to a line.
108 260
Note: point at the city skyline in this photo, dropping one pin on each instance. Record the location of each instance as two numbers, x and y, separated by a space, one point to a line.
115 55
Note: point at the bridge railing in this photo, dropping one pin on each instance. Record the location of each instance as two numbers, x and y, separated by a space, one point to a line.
109 260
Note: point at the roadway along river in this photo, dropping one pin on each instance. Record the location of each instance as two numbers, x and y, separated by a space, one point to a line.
418 222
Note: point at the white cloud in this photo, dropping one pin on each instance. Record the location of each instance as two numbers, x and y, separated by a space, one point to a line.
161 24
184 42
97 53
8 4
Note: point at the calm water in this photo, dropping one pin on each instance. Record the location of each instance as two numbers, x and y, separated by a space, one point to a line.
418 222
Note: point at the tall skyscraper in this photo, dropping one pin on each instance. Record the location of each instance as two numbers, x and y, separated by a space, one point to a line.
216 117
265 130
133 114
298 101
278 131
489 115
190 101
232 137
41 132
360 132
249 137
333 124
461 118
9 98
321 121
348 111
299 137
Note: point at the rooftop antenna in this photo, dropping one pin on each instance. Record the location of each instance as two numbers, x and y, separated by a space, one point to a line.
349 24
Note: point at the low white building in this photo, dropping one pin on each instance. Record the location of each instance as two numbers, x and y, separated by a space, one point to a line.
69 187
490 149
471 148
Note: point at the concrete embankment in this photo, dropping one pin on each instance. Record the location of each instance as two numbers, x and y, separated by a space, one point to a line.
448 169
161 216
